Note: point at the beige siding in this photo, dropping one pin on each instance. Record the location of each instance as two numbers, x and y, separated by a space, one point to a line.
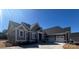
21 39
11 36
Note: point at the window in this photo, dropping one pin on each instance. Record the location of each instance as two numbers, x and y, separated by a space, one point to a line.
21 33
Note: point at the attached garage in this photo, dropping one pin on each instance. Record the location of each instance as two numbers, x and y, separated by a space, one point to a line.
60 39
58 34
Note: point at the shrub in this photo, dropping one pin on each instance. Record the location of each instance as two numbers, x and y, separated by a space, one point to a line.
70 46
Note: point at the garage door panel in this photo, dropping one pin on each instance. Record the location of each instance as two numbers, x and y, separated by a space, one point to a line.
51 39
60 39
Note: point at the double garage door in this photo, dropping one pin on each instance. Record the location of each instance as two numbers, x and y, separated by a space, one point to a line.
60 39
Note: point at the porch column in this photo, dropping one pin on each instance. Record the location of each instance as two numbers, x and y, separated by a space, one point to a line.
37 37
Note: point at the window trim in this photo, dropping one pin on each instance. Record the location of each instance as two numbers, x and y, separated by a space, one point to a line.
20 32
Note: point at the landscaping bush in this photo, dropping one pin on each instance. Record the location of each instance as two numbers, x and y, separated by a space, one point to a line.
71 46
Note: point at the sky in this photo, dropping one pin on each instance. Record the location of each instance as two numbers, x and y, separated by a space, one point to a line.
45 17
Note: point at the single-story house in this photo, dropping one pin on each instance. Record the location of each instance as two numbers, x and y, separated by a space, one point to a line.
19 33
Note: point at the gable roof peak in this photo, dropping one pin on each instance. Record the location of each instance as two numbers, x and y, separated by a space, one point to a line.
12 25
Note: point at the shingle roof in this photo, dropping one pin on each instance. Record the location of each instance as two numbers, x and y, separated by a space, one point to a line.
56 29
26 25
35 27
14 24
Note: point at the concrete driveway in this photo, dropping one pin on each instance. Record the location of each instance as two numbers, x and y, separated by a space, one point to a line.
55 46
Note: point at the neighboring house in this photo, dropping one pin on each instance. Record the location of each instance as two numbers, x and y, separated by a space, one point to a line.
19 33
75 37
58 34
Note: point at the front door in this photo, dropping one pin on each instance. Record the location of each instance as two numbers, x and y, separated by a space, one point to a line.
40 36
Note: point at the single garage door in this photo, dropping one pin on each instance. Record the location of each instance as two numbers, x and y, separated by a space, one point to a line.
51 40
60 39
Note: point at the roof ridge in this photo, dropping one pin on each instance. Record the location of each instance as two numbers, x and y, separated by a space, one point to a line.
54 27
